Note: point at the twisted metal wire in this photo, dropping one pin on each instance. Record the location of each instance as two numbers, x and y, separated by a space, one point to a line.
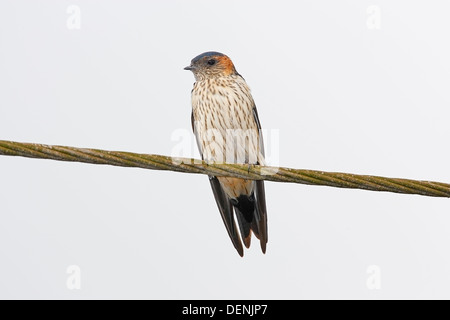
254 172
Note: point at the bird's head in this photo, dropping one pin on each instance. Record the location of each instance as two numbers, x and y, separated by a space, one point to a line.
211 65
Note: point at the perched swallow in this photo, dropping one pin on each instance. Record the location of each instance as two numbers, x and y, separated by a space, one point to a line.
226 125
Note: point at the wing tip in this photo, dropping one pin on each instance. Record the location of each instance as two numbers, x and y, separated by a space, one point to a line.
240 251
237 245
263 246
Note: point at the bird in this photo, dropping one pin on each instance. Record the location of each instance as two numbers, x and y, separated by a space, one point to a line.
227 129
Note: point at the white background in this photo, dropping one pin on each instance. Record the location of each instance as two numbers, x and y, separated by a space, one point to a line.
343 96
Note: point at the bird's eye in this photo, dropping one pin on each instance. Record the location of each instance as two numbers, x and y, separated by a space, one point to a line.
211 62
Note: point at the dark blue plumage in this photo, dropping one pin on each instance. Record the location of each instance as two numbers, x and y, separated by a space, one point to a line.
207 54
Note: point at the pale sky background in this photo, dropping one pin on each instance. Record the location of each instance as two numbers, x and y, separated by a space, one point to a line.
343 96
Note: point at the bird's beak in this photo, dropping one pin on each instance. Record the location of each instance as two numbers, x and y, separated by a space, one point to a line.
191 67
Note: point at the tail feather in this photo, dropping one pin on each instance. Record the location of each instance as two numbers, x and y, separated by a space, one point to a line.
262 214
226 211
250 211
245 227
251 218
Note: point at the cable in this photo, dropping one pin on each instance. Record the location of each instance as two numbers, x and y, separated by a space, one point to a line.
253 172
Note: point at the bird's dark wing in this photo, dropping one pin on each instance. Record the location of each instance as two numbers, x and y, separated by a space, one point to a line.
223 202
258 124
226 211
260 196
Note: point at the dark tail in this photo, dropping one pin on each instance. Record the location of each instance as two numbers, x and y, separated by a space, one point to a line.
251 215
